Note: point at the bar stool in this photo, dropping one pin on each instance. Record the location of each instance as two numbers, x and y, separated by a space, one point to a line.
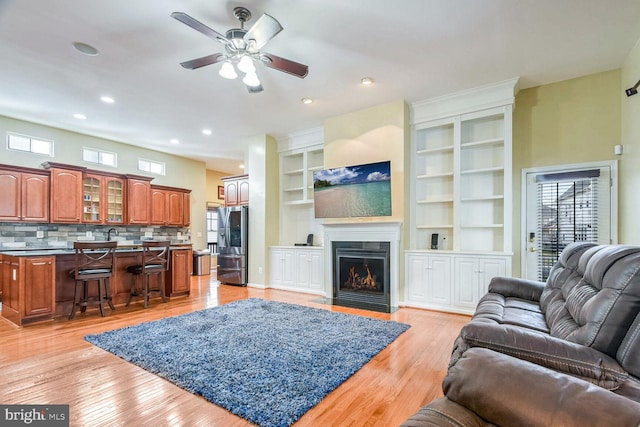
155 260
93 263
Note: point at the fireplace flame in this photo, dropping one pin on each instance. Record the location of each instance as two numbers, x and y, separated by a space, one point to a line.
356 281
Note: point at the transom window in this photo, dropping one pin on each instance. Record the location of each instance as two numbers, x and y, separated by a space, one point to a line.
101 157
29 144
151 166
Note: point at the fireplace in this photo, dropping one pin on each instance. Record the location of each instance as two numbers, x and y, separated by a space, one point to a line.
361 275
374 240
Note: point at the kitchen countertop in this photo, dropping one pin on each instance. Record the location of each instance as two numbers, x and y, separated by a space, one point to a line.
60 251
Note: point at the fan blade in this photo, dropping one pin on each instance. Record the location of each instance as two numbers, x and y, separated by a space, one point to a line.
254 89
288 66
199 26
205 60
265 28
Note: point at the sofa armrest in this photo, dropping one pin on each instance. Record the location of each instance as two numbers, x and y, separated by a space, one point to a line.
516 288
504 390
443 412
542 349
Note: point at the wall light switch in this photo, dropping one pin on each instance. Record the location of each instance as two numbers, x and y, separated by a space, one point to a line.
40 234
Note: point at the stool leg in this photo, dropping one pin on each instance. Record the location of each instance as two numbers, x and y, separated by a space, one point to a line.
145 290
85 296
161 285
75 300
101 296
107 291
134 290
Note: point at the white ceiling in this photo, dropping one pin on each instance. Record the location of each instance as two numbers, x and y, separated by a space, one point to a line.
414 49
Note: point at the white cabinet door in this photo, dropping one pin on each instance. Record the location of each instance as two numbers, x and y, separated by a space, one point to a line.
302 269
472 277
316 270
428 279
416 276
439 282
465 282
282 267
489 268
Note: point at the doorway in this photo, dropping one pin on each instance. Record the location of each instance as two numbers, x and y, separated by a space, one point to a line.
565 204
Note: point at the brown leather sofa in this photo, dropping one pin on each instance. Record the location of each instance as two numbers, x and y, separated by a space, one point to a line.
562 353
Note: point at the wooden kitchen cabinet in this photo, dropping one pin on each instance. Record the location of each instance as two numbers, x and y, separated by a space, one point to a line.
103 199
25 194
186 208
178 279
170 206
28 288
158 206
66 193
139 199
236 190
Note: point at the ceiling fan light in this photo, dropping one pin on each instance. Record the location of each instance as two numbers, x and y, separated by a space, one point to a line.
251 79
246 65
227 71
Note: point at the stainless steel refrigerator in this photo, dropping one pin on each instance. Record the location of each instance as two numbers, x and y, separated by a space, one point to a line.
233 243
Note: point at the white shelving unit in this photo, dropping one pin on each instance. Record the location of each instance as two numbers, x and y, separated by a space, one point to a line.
296 179
461 189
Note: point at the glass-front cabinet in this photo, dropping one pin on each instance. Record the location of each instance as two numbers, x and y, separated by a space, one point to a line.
103 199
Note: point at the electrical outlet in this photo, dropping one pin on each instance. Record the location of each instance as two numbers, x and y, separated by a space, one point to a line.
148 234
40 234
89 234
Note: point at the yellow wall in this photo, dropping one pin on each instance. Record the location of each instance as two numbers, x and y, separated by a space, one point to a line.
573 121
367 136
180 172
629 202
214 180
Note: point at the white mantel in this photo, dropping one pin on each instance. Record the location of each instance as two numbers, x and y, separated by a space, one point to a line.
385 231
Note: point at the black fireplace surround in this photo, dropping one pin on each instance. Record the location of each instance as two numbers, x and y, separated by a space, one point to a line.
361 275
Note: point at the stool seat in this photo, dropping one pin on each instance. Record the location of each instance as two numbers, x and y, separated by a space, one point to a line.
155 261
94 272
93 264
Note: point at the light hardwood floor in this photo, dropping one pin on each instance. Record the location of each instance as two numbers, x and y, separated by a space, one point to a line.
51 363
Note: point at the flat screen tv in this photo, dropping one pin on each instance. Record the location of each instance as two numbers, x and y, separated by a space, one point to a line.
353 191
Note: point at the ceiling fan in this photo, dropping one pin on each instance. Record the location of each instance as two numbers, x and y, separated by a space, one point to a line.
243 48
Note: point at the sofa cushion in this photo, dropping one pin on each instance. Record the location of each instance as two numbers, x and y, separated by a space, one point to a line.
496 308
599 309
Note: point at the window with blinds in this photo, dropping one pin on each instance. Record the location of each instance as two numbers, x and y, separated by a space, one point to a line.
572 207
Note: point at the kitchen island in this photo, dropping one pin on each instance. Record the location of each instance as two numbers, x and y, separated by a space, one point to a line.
36 284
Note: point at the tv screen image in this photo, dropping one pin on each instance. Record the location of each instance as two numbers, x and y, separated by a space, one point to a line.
353 191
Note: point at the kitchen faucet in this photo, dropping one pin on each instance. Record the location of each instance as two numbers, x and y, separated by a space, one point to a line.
109 233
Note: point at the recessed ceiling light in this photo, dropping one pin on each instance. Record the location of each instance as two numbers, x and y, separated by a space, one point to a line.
107 99
174 141
206 131
85 49
307 101
79 116
366 81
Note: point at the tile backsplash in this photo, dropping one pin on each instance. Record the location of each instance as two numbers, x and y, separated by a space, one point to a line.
19 235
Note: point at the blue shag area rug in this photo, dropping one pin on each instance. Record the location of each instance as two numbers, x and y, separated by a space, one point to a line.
268 362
